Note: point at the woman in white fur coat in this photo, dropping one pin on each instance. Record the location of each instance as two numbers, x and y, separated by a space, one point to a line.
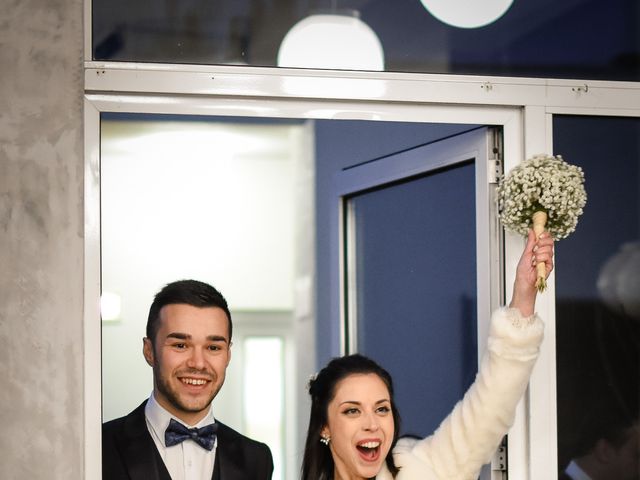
353 426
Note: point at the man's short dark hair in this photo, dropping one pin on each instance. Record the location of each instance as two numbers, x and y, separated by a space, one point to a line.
187 292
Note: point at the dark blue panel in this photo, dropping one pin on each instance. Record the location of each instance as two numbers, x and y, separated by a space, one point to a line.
608 150
598 345
416 271
341 144
537 38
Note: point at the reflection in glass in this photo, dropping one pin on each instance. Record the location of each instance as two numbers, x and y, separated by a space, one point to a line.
534 38
467 13
619 280
336 41
597 325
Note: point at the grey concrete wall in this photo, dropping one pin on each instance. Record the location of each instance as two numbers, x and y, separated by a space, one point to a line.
41 248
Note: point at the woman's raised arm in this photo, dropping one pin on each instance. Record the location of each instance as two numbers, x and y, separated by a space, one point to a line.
470 434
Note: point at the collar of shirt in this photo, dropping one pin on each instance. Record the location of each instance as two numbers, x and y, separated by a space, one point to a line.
575 472
158 419
186 460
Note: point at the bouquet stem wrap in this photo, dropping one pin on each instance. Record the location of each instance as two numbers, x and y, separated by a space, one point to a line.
539 219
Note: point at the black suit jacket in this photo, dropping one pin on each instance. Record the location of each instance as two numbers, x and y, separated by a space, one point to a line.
562 475
129 453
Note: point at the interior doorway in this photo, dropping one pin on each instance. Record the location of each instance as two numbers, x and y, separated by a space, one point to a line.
216 200
319 140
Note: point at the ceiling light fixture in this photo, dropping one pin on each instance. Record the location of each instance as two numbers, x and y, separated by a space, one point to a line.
467 13
339 40
110 306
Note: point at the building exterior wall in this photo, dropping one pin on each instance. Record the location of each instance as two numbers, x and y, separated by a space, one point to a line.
41 230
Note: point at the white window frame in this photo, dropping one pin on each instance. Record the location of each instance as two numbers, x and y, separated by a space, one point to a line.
524 107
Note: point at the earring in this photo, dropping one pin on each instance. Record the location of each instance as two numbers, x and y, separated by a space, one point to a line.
325 440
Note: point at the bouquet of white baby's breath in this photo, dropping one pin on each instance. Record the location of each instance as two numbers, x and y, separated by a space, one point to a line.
542 191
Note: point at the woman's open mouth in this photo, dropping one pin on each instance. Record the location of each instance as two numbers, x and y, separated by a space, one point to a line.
369 450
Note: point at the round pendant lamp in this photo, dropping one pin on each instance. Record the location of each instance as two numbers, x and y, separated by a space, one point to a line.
332 41
467 13
619 280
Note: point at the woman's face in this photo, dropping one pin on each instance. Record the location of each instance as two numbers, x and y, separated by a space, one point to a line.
360 425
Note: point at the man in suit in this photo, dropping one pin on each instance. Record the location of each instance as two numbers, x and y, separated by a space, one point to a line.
173 435
613 455
598 392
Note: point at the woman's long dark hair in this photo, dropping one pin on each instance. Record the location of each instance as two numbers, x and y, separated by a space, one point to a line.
317 463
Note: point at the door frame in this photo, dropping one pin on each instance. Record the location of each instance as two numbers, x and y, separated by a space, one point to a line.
510 119
523 107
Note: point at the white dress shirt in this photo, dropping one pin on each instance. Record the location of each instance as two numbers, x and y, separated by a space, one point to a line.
575 472
186 460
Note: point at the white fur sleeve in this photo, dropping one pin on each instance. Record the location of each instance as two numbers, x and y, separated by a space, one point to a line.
469 436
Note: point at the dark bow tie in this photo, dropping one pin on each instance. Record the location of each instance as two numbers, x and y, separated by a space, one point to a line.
177 433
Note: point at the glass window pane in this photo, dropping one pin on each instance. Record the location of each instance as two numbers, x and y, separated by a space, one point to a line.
598 299
536 38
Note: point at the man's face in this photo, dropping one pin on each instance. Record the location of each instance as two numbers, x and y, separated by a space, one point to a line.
189 357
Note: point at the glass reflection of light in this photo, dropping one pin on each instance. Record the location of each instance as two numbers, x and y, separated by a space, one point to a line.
619 280
467 13
340 42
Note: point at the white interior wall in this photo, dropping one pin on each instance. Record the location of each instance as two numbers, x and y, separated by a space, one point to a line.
209 201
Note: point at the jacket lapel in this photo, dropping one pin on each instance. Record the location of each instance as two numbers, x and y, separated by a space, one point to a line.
229 463
139 452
